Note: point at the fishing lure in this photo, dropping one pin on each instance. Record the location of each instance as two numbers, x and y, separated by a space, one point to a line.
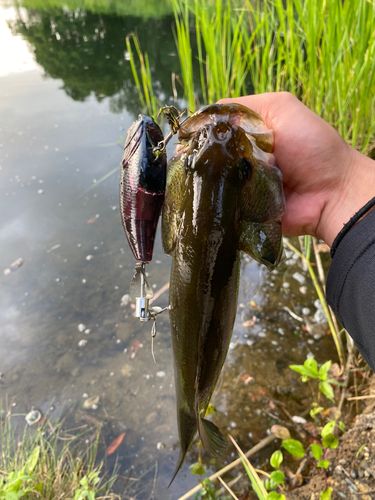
142 186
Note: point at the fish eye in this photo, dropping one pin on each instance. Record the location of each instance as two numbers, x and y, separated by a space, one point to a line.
246 170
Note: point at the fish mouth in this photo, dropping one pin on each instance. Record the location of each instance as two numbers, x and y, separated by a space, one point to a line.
210 135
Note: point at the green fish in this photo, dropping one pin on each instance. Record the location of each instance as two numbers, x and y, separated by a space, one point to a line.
223 194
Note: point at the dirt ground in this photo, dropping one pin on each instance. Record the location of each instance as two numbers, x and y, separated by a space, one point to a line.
352 470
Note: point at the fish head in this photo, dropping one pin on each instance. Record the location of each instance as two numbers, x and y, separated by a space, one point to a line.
249 121
219 150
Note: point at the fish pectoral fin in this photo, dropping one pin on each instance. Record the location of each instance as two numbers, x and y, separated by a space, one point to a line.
263 242
212 439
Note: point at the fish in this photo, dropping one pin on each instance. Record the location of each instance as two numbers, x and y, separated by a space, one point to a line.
224 195
142 186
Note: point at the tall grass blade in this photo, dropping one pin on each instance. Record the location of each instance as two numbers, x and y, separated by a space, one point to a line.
256 482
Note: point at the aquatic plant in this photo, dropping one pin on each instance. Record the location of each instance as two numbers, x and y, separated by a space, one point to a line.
143 83
36 465
322 52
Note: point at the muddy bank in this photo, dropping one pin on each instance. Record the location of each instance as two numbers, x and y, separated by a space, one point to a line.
351 474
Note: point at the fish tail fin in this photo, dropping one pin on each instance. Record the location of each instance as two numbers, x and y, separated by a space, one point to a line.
181 459
212 439
187 431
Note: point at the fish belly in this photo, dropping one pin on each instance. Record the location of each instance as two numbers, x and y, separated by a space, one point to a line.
203 297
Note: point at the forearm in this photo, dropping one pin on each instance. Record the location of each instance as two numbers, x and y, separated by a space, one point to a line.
352 195
351 286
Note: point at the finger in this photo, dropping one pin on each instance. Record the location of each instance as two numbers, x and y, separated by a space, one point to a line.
266 105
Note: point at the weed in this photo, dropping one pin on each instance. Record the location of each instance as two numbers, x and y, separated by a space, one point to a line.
36 465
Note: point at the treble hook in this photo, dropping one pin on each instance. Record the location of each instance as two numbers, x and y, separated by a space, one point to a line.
154 311
153 335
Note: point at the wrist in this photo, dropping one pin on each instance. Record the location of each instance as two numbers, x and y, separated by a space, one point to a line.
354 189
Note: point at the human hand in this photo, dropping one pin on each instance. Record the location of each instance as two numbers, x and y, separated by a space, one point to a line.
326 181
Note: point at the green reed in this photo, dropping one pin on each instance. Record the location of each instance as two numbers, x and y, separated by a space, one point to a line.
305 255
220 33
147 98
323 51
182 37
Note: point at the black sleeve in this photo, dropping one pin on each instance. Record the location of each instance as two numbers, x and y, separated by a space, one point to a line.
351 285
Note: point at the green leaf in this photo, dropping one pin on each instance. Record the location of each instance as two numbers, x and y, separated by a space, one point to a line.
330 441
276 459
328 428
327 390
306 372
78 494
278 477
210 409
298 368
324 369
11 495
326 494
256 483
39 487
32 460
312 365
197 469
84 482
315 411
209 490
324 464
294 447
317 451
275 496
342 425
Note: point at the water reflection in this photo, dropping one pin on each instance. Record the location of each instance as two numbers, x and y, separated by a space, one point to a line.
87 52
77 265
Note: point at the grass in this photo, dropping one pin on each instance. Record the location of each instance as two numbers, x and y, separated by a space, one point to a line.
321 51
307 244
149 103
48 463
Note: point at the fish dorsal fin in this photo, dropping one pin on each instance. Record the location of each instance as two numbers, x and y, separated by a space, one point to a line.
212 439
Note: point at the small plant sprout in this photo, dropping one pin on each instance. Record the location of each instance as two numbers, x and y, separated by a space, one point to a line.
310 371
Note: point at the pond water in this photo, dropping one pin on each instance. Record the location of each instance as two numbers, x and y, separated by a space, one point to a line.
67 97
